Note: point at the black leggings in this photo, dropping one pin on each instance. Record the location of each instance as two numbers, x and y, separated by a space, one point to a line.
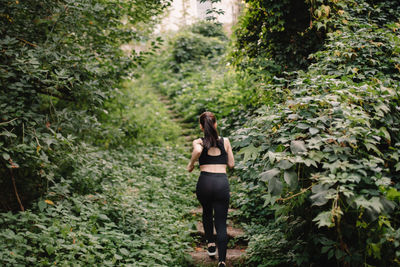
212 191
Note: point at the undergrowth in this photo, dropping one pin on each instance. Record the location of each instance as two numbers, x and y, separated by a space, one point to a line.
125 205
134 217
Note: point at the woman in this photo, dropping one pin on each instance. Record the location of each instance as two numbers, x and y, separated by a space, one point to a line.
214 154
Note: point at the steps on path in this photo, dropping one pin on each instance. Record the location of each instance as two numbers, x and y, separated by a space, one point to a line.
236 253
231 231
233 257
187 129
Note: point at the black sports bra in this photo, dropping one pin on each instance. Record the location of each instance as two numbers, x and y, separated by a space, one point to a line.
208 159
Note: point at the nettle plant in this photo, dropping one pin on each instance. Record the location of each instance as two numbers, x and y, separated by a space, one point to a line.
327 156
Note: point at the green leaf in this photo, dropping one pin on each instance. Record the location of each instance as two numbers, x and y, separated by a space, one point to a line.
325 249
275 186
303 126
309 162
298 147
290 178
374 203
313 130
339 254
42 205
388 205
50 249
330 253
319 197
268 175
397 166
393 194
8 134
324 219
284 164
124 251
250 152
385 133
103 217
6 156
370 146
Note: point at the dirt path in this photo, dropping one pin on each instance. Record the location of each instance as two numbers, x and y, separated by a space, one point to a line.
236 242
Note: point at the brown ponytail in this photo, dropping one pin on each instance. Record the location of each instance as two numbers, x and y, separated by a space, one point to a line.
207 120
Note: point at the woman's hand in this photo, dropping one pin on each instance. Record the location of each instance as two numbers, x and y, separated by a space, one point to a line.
190 167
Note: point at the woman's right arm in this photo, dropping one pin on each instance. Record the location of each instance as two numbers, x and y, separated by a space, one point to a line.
197 149
231 159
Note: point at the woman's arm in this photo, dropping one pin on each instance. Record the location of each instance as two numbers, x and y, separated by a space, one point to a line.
228 148
197 149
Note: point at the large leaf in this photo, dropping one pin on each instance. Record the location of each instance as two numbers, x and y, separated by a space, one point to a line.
298 147
268 175
250 152
324 219
290 178
320 193
284 164
275 186
373 203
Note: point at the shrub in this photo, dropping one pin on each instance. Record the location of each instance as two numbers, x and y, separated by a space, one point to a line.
208 29
325 154
188 46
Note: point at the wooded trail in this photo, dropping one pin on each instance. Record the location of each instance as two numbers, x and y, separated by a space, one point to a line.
94 140
237 244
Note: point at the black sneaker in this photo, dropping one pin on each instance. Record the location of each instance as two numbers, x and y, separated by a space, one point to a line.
221 264
211 251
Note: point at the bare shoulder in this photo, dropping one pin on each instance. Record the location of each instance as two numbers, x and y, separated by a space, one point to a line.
227 144
226 140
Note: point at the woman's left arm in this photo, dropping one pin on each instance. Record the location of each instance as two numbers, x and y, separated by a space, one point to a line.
197 149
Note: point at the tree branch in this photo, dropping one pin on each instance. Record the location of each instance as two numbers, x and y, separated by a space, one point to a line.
16 191
25 41
295 195
6 122
60 96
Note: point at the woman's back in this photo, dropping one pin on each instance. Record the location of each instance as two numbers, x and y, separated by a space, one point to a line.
215 159
214 153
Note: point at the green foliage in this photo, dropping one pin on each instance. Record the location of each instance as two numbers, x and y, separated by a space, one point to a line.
188 46
317 148
279 31
268 246
208 83
135 117
325 153
60 63
320 154
208 29
133 218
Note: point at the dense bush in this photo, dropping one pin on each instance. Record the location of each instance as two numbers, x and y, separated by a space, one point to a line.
131 219
208 29
325 155
60 63
194 47
280 31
